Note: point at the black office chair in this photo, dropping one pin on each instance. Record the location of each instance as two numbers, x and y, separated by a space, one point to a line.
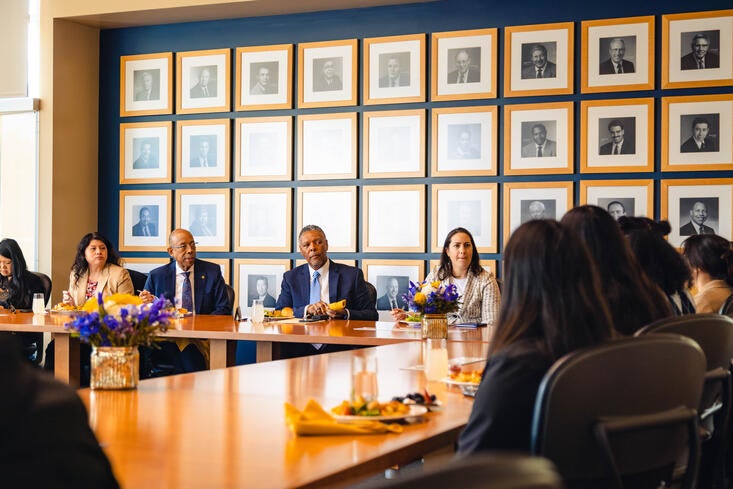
714 334
46 281
727 307
138 279
372 293
33 342
232 298
621 414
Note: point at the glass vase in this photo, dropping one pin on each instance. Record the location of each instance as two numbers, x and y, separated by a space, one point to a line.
435 326
115 367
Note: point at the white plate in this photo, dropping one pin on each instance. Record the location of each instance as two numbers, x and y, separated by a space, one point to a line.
65 312
415 410
415 324
450 381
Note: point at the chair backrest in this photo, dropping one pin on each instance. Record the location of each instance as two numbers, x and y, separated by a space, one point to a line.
497 471
727 307
621 411
232 298
372 293
138 279
46 281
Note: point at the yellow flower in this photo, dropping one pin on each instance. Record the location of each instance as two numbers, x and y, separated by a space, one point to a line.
112 303
91 305
420 298
435 284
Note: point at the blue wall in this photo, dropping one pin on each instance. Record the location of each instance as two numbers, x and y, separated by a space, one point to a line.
426 18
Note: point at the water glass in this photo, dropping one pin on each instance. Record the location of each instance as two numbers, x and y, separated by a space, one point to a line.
39 304
364 376
257 312
436 359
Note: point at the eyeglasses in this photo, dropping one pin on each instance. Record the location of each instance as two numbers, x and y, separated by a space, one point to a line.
183 246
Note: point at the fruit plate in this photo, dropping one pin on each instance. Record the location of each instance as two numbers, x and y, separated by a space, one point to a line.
415 410
66 312
450 381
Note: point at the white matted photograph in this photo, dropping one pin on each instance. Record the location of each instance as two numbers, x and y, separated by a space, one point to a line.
145 220
464 65
617 135
632 198
145 265
394 218
203 81
472 206
698 131
524 201
145 152
333 209
464 141
203 150
394 143
146 84
327 146
618 55
392 278
539 139
264 77
262 219
264 148
394 69
327 73
697 206
258 279
205 212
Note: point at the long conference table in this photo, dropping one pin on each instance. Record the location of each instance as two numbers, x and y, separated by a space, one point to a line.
226 428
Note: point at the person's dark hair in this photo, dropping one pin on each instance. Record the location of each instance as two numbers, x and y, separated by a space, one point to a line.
634 300
310 227
80 265
551 292
538 47
699 35
143 209
541 126
445 269
710 253
17 289
614 123
629 223
700 120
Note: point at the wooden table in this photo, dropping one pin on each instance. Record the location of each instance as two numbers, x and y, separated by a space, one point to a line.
226 429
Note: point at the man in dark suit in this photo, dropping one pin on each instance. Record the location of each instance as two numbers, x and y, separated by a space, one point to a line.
464 72
618 144
203 88
390 300
327 80
149 91
698 215
700 58
540 67
145 226
147 159
699 141
616 64
394 77
263 85
193 284
261 293
203 158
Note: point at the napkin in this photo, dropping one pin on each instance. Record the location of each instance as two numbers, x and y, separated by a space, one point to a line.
314 420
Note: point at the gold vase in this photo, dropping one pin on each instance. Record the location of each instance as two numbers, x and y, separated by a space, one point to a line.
115 367
435 326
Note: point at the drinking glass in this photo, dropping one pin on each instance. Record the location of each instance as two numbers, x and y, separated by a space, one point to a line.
436 359
258 311
364 376
39 304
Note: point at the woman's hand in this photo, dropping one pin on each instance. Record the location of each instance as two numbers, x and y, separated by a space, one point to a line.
67 299
398 314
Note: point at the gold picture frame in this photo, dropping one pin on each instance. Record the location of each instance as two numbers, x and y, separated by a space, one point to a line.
394 69
206 214
145 152
553 200
264 77
473 206
203 150
381 273
464 141
327 74
464 65
263 220
263 148
334 209
246 273
316 137
620 197
203 81
394 143
146 84
145 220
393 218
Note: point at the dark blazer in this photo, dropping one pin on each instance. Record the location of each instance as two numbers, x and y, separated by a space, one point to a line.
402 81
137 229
268 301
626 149
46 439
209 289
501 417
383 303
688 229
689 146
198 92
139 163
607 67
143 94
344 282
321 85
530 72
474 76
689 62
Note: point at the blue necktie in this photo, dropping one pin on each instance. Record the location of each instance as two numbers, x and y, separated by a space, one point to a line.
315 288
186 295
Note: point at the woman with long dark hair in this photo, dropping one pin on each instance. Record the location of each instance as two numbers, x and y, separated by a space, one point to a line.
710 258
552 304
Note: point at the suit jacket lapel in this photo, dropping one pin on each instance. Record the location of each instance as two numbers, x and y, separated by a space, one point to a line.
198 284
103 279
333 281
169 286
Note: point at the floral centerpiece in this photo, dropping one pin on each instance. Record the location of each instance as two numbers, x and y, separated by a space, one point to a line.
115 326
433 302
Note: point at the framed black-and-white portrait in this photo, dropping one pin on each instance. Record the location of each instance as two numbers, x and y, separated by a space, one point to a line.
697 49
539 59
258 279
264 77
538 138
145 152
264 148
394 218
464 65
524 201
394 69
146 84
617 135
205 213
698 131
697 206
334 210
464 141
203 150
394 143
203 81
472 206
145 220
263 219
392 278
632 198
618 55
145 265
327 73
327 146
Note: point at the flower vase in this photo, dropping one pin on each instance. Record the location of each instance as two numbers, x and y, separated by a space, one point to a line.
435 326
115 367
